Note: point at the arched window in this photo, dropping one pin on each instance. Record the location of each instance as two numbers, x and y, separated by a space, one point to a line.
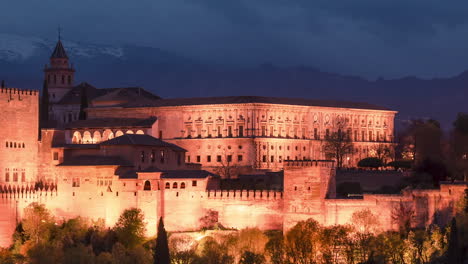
168 185
140 132
15 145
182 185
108 134
6 143
174 185
96 137
118 133
129 132
23 145
147 186
87 139
76 137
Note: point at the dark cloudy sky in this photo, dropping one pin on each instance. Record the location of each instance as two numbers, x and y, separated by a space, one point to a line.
427 38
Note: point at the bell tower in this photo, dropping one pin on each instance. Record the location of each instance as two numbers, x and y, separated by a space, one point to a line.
59 74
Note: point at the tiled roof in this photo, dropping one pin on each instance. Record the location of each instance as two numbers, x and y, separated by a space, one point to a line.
142 140
111 122
125 95
186 174
255 99
59 51
170 174
107 94
92 160
74 95
77 146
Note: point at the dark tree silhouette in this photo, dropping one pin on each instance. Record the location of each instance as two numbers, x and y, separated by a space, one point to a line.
161 252
3 84
403 217
337 146
453 251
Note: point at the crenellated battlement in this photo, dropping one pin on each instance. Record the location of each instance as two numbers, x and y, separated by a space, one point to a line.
17 91
245 194
309 163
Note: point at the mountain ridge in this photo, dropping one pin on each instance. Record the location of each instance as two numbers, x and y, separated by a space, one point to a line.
168 74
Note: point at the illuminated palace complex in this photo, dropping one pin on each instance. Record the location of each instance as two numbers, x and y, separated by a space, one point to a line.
100 151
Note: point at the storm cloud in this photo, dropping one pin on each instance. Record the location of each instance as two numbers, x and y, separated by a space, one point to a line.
363 37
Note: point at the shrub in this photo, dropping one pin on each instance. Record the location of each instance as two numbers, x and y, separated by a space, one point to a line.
370 163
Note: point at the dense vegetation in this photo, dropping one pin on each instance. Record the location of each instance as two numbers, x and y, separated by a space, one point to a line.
39 238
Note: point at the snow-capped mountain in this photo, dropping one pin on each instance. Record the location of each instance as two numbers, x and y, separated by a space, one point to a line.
14 48
169 75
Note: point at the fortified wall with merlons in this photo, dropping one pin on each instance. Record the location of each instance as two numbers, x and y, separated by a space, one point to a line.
96 152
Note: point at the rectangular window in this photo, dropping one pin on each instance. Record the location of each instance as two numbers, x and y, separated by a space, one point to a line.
263 131
229 158
229 131
198 159
241 131
385 136
272 159
355 135
363 136
23 176
194 183
304 133
162 156
142 156
218 158
199 133
239 157
188 159
56 156
264 158
76 182
370 136
220 134
7 175
271 131
152 157
316 134
160 134
15 175
327 133
280 159
208 158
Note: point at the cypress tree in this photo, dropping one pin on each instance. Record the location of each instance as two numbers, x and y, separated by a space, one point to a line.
3 83
453 251
161 252
83 104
